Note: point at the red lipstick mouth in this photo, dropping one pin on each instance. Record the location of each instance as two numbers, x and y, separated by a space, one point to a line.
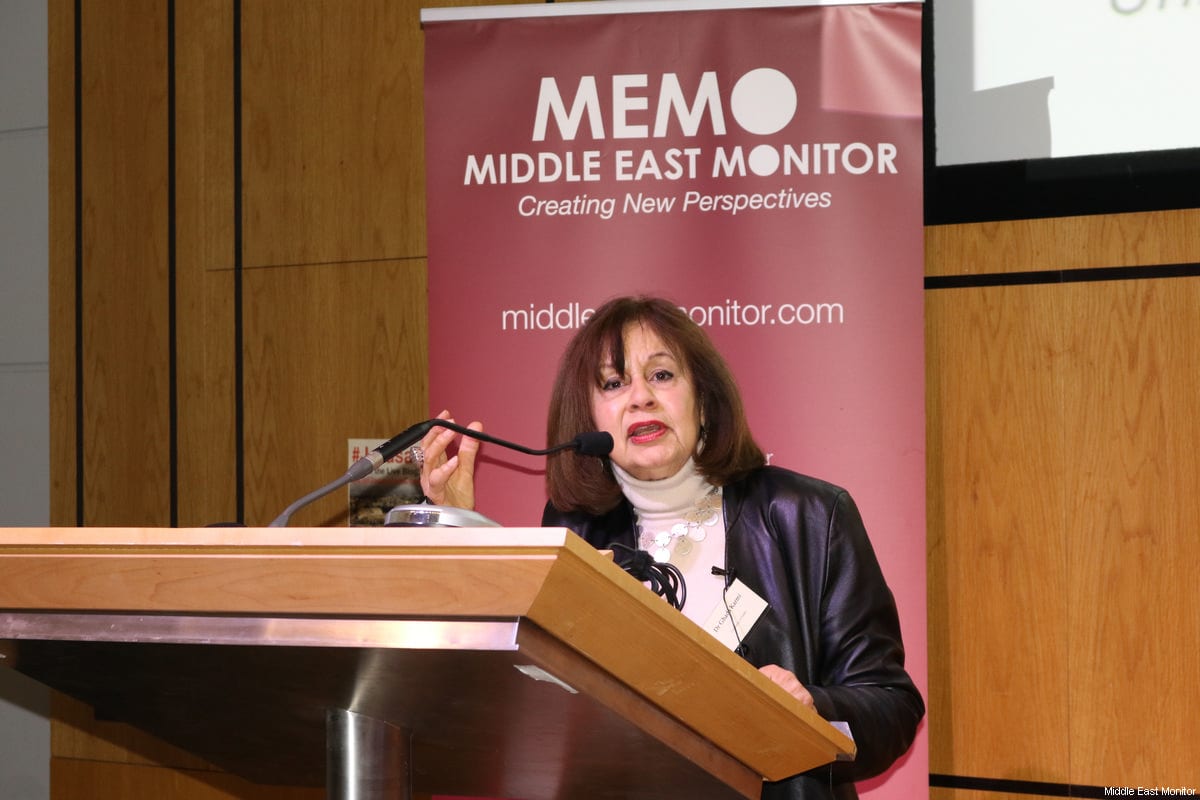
645 431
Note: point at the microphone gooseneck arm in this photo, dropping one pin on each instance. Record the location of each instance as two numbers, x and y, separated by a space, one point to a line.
591 443
359 469
282 520
592 440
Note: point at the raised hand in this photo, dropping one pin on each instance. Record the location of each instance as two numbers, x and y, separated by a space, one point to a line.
449 480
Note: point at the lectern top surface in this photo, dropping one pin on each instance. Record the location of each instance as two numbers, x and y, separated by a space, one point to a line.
284 537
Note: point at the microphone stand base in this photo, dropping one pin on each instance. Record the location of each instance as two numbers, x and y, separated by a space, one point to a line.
422 515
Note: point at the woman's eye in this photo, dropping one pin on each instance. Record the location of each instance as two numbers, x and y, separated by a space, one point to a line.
661 375
608 384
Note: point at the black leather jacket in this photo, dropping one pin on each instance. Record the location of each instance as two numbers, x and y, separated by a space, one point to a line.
831 619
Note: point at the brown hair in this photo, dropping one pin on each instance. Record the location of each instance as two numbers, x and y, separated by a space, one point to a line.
586 483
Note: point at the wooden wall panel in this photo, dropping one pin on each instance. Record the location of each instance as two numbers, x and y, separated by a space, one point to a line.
1107 240
77 734
1101 387
972 794
332 352
60 19
111 761
97 780
205 295
333 132
124 246
998 660
1132 424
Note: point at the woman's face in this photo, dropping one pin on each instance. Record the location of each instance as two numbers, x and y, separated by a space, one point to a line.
650 411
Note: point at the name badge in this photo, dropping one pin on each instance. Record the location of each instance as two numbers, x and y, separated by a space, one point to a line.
733 617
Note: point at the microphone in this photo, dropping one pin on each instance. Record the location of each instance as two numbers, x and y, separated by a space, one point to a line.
588 443
731 574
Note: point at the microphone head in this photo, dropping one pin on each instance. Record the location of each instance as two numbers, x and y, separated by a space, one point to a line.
406 438
594 443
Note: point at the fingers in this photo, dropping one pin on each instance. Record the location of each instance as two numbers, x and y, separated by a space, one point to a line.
439 477
433 475
435 441
468 447
435 444
788 682
445 479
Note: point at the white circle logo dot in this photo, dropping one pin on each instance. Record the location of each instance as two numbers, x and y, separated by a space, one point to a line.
763 160
763 101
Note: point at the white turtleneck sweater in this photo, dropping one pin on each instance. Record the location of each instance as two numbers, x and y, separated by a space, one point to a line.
679 500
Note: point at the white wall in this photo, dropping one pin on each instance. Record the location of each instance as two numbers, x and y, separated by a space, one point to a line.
24 356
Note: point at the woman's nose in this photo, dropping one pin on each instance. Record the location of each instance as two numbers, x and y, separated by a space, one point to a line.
641 394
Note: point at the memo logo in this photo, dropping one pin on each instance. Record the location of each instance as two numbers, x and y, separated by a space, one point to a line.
762 102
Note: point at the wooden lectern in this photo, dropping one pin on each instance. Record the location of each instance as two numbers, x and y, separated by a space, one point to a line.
497 662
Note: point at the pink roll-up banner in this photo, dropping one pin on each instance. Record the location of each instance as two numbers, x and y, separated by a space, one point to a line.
760 165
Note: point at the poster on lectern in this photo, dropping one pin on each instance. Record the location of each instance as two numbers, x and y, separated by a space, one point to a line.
760 164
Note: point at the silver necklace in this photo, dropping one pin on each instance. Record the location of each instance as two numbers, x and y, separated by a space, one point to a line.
681 537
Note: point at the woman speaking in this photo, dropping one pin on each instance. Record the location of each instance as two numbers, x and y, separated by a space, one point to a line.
687 483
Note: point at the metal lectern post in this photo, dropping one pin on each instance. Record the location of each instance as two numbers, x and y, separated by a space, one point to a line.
366 758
